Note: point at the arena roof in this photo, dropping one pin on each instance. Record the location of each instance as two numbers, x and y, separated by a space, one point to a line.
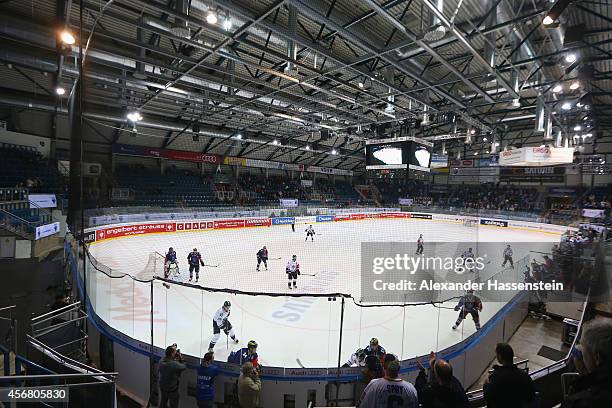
292 80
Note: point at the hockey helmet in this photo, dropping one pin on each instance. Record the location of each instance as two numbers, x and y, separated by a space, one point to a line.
227 304
170 249
374 341
294 257
195 249
252 344
360 353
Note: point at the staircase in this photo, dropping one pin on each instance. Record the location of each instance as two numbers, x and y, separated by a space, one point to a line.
17 225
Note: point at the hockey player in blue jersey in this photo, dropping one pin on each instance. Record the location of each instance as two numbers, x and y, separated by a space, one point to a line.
375 349
195 260
246 354
468 304
170 260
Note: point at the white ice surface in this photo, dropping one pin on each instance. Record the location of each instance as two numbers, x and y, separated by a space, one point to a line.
286 328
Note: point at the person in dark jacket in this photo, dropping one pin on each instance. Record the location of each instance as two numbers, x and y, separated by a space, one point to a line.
439 388
508 386
593 388
170 369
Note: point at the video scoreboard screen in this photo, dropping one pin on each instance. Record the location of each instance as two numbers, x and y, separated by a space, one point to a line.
406 153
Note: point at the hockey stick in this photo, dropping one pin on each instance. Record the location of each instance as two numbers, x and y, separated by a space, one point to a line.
212 266
309 274
299 363
275 259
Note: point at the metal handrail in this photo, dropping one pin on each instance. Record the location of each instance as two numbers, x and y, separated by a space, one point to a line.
53 313
57 376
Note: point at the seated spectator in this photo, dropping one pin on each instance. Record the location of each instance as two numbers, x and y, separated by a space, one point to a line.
439 388
389 391
508 386
593 389
170 369
249 387
207 371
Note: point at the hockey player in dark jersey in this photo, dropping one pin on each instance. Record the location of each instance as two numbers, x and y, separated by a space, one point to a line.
262 256
468 304
195 260
419 250
246 354
375 349
170 260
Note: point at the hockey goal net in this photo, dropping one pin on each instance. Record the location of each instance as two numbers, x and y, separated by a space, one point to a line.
470 222
154 267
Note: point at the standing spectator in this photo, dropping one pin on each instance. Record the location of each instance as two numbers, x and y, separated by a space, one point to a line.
508 386
389 391
439 388
373 369
207 372
170 369
593 388
249 387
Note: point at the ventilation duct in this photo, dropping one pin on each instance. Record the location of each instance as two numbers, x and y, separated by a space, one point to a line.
180 28
489 45
139 73
437 30
548 136
291 46
514 73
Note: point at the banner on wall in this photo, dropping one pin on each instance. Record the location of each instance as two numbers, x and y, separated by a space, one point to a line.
176 155
532 174
306 183
439 160
593 213
537 156
495 223
289 202
47 230
405 201
42 200
325 218
461 163
283 220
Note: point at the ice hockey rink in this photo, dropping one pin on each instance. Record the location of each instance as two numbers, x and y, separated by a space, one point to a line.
287 328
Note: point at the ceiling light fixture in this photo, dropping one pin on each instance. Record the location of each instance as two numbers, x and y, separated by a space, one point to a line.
211 17
227 23
575 85
67 37
60 91
577 128
558 88
570 58
134 116
566 106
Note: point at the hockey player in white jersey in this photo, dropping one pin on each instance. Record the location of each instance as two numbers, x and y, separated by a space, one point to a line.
221 322
469 258
357 359
389 391
310 232
293 270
